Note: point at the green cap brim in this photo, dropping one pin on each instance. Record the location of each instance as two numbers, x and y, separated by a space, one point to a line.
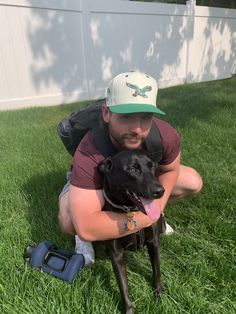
135 108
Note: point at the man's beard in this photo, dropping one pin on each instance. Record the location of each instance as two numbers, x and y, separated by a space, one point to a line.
120 140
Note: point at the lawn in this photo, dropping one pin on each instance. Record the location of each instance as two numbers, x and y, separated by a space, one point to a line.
198 261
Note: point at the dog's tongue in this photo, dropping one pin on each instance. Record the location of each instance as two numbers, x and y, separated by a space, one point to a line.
152 209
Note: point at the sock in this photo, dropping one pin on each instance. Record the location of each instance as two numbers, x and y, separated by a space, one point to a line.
86 249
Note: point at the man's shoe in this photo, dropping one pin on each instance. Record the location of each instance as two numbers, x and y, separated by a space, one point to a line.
169 230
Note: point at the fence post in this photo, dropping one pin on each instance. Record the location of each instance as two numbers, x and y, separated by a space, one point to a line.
85 43
191 4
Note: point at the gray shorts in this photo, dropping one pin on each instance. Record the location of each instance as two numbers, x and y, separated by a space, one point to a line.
66 187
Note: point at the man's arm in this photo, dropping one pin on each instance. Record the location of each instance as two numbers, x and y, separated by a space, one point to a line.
93 224
168 178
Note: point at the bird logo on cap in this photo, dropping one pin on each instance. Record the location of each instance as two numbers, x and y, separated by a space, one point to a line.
139 91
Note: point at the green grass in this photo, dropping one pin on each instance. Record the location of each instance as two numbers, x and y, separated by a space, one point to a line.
198 261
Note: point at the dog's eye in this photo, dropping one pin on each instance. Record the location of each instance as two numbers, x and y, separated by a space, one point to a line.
151 165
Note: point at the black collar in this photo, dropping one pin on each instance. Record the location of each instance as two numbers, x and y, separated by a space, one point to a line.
124 208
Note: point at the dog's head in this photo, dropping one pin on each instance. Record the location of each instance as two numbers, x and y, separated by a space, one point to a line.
131 178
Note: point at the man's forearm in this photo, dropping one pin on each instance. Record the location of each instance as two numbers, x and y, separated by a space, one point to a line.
107 225
113 224
168 180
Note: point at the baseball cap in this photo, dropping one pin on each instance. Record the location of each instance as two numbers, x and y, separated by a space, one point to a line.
132 92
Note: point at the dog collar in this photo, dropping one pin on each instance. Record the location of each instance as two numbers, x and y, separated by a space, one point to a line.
125 208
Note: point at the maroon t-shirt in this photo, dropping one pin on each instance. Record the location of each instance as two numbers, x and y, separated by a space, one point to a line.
84 171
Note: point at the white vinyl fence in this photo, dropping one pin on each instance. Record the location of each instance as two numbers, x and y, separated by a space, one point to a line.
59 51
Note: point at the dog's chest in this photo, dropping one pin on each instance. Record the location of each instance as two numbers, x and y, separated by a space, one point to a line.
135 241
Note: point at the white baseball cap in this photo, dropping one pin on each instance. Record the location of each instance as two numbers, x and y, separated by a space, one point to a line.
132 92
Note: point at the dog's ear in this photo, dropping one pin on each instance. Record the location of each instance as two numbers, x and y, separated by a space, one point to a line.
157 169
105 165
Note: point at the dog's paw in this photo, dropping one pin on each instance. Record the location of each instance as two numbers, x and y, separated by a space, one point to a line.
130 311
158 292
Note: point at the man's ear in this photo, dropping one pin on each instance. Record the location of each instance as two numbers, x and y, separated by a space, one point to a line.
105 113
105 165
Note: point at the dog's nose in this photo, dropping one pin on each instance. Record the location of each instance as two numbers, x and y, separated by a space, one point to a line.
158 191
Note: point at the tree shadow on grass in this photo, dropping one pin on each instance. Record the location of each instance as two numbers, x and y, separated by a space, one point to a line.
42 193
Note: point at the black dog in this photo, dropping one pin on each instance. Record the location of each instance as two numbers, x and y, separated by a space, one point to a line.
131 184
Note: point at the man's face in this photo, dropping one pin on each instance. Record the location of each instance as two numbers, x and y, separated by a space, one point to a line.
128 131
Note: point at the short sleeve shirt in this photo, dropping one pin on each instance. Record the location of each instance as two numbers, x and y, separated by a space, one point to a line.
84 169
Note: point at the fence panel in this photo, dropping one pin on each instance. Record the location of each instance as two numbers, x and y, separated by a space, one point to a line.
55 52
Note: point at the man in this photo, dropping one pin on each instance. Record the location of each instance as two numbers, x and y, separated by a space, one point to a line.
129 112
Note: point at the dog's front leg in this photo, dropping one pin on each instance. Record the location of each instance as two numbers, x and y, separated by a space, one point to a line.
116 253
153 246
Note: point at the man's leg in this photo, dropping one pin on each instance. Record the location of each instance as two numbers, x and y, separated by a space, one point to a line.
64 215
81 247
188 184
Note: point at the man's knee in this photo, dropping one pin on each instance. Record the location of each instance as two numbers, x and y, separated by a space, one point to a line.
195 182
189 183
64 215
